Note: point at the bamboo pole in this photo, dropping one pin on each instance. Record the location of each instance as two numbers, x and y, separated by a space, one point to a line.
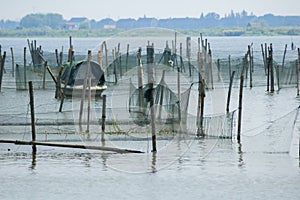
240 109
127 55
188 53
33 135
89 104
2 68
103 118
74 146
283 59
229 65
200 112
87 71
211 68
51 74
58 93
44 75
66 82
271 68
150 66
12 62
266 54
161 100
25 68
115 65
250 64
298 77
229 91
268 72
106 54
264 58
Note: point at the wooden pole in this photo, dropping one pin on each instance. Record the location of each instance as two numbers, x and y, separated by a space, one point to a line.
283 59
150 66
89 104
106 52
87 71
229 91
66 82
25 68
268 72
188 53
181 60
200 117
58 93
2 67
271 68
250 64
12 62
103 118
298 76
179 91
70 55
44 75
115 65
229 65
240 109
51 74
33 135
127 55
211 68
161 96
264 57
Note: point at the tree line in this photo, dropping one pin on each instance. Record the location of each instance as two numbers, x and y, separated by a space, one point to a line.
210 20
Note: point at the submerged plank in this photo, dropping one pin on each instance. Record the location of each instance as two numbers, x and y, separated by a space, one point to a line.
76 146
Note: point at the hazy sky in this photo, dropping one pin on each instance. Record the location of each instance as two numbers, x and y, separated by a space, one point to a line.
99 9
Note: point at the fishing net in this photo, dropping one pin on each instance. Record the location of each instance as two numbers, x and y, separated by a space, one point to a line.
273 137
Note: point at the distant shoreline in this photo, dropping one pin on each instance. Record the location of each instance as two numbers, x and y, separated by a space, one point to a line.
239 31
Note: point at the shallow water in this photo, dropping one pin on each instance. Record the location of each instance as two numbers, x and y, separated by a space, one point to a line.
185 167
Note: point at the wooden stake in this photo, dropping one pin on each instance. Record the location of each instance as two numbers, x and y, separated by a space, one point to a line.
25 68
240 109
229 91
66 82
283 59
298 77
58 93
44 75
188 53
150 63
211 68
127 55
103 118
229 65
115 65
12 62
87 71
200 107
51 74
264 58
251 64
2 67
271 68
32 115
89 105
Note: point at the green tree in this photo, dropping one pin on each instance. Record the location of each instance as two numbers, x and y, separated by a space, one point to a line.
53 21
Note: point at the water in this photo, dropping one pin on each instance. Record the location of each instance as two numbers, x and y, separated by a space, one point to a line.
184 167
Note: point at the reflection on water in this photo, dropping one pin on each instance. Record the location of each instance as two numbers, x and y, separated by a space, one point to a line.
205 163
